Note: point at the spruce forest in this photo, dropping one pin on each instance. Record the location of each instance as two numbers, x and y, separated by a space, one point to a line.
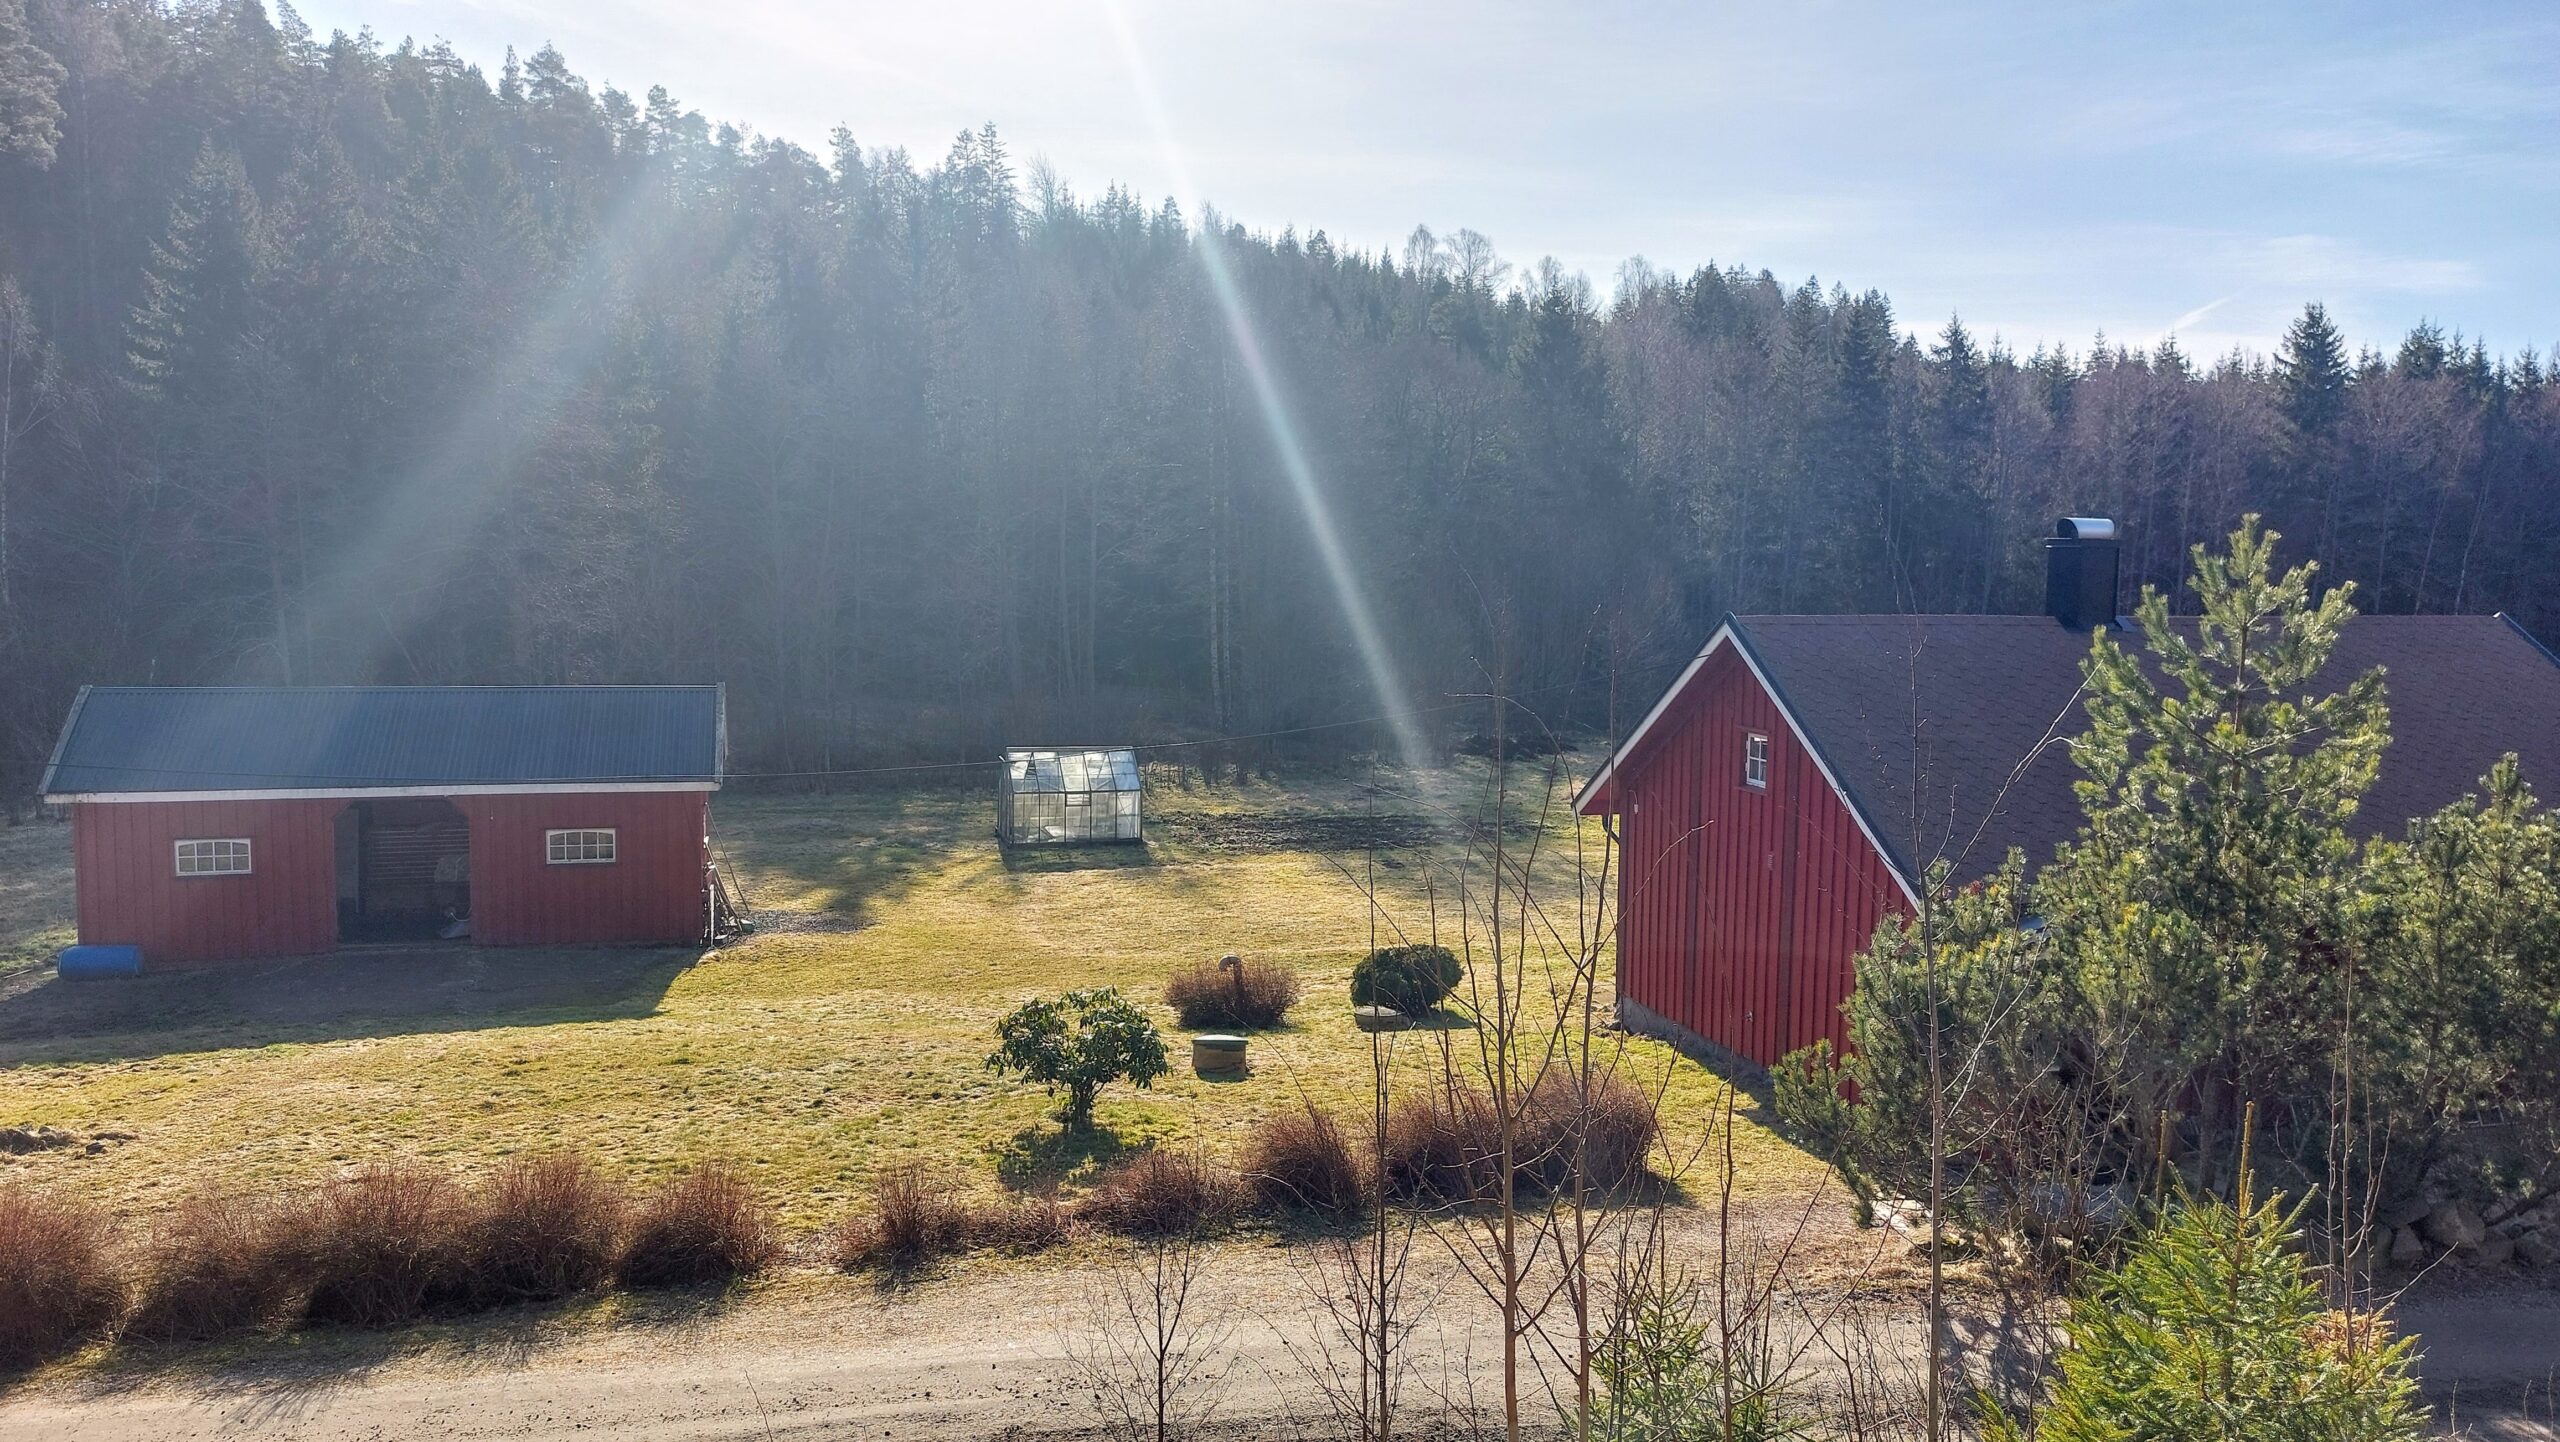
335 360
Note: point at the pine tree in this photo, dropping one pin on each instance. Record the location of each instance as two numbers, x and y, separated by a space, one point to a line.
30 84
2311 373
2210 897
2213 1329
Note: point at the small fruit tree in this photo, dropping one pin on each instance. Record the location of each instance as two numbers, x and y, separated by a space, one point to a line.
1411 979
1081 1041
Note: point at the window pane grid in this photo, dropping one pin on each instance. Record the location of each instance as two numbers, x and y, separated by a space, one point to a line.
227 856
586 847
1755 760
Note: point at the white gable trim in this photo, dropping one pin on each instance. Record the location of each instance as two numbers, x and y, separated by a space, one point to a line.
347 793
1726 635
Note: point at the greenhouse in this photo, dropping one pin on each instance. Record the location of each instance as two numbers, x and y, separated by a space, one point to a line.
1064 798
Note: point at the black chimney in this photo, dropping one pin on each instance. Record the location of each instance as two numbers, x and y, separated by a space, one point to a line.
2080 572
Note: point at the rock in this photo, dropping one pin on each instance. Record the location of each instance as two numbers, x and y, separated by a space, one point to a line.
2538 1249
94 1148
2496 1248
2406 1247
2454 1227
1379 1018
2407 1214
2499 1210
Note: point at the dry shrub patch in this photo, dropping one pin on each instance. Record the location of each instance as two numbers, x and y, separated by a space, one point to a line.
59 1283
1302 1162
705 1226
1253 994
385 1245
223 1262
1031 1224
1618 1126
1447 1149
543 1227
915 1220
1441 1149
1167 1192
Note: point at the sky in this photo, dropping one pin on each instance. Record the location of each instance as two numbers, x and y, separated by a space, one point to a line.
2046 171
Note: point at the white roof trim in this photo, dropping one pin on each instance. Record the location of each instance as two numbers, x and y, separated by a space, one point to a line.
1725 634
342 793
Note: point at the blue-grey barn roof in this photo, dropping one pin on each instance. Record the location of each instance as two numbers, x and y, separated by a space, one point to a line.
340 738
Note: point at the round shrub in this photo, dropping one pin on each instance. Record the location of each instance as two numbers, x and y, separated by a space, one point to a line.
1411 979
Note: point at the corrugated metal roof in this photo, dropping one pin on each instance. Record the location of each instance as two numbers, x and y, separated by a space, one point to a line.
323 738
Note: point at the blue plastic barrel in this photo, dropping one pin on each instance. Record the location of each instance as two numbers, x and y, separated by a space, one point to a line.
100 961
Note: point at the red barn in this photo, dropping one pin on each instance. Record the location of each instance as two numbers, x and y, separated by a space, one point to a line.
211 823
1794 784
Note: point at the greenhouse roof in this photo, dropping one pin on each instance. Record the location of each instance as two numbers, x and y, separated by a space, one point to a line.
1113 768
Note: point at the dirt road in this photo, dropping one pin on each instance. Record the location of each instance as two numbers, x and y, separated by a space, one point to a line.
987 1355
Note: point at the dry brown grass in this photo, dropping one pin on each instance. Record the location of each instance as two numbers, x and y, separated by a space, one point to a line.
708 1225
59 1282
386 1244
1254 994
1166 1192
224 1262
1302 1162
542 1227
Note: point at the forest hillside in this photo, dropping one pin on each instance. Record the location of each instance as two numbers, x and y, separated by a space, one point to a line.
330 359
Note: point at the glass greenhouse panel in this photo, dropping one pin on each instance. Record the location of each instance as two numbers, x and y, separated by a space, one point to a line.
1069 796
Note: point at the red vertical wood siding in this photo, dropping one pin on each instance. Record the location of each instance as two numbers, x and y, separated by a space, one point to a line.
124 859
1743 908
129 893
652 891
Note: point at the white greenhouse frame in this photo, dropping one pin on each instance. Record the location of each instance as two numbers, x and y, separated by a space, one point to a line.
1069 796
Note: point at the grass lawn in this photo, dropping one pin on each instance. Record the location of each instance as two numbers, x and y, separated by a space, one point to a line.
847 1036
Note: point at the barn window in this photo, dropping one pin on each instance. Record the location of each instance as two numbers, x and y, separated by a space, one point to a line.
590 847
228 856
1755 760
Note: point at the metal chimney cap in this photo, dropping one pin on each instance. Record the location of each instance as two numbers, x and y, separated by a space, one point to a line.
2084 528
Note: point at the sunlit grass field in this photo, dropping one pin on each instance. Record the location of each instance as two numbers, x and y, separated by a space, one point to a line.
849 1035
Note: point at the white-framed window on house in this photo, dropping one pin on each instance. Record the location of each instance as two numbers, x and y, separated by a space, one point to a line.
218 856
588 846
1755 761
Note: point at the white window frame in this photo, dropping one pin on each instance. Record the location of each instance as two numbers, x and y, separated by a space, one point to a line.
211 858
1755 760
552 848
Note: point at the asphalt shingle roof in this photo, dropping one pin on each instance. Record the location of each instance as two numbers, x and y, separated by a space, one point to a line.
279 738
1948 732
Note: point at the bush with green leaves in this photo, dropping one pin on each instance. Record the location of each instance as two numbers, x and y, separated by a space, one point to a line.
1411 979
2215 940
1079 1043
2212 1328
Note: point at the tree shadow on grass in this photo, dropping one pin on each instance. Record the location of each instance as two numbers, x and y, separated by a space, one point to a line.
1096 856
1043 1157
371 992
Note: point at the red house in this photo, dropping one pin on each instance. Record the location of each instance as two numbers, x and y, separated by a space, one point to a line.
1794 784
212 823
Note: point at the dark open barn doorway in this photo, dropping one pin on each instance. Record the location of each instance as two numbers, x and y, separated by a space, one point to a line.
404 871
